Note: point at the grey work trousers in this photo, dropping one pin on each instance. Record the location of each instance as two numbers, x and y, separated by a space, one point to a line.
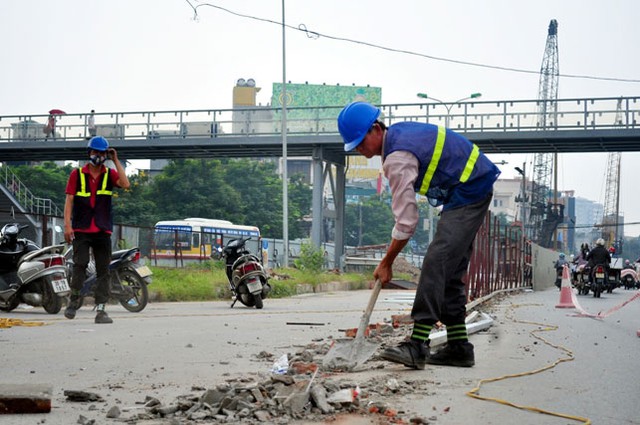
441 293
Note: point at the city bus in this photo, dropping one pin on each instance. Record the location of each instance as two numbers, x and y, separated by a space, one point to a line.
194 238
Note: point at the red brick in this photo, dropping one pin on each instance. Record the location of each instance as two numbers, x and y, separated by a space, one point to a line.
25 398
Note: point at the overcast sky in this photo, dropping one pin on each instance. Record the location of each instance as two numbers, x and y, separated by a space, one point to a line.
123 55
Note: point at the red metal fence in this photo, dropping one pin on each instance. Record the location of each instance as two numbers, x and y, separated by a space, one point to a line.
501 259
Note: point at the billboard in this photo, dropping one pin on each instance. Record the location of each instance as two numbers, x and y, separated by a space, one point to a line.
313 98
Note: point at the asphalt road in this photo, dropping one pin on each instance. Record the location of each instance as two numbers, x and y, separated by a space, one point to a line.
170 348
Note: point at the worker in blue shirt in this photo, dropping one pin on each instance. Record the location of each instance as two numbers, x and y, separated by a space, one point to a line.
453 174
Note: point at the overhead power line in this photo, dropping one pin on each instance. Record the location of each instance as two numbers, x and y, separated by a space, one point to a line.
316 35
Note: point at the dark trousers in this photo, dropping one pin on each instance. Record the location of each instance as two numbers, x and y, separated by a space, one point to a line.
441 293
100 243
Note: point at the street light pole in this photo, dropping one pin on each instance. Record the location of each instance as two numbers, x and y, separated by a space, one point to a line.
285 183
449 105
523 199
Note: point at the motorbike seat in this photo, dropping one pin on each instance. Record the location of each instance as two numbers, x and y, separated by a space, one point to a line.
116 255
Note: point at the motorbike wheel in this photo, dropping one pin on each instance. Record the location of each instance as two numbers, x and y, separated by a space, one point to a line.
597 291
15 301
258 300
248 299
136 292
51 302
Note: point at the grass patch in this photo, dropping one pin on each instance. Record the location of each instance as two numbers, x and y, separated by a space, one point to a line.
207 281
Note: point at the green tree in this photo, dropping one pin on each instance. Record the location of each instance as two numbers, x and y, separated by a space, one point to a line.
260 189
135 206
46 180
195 188
242 191
368 222
300 195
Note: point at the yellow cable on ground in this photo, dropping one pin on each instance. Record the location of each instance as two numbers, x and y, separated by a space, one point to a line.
7 323
475 393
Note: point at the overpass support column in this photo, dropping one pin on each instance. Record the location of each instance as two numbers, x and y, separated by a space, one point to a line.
339 200
317 218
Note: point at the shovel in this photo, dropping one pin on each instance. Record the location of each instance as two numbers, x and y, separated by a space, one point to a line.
348 353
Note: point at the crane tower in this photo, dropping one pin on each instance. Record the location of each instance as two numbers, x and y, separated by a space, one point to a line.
611 212
545 216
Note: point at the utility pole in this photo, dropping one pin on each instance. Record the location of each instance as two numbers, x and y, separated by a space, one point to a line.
285 178
523 218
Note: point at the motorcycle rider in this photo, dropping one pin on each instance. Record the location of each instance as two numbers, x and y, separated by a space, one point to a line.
599 255
559 265
561 261
88 221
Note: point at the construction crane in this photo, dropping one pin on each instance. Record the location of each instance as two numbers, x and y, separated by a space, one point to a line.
611 211
546 215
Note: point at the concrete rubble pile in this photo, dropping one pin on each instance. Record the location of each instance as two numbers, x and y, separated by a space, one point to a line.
302 392
294 389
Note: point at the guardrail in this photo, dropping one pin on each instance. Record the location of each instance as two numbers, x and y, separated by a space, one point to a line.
33 204
475 116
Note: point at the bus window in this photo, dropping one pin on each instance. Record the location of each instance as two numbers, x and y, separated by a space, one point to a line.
168 237
196 240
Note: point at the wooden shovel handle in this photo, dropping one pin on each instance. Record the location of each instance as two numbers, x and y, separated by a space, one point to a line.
364 322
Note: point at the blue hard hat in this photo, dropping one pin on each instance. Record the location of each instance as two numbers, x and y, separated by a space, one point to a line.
98 143
354 123
562 255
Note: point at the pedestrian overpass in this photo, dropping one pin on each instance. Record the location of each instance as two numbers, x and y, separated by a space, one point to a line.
499 126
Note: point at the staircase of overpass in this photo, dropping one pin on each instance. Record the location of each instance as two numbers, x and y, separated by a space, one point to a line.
18 204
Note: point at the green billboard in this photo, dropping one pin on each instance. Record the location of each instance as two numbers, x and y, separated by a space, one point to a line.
315 107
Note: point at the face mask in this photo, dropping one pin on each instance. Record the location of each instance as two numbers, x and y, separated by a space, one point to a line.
97 159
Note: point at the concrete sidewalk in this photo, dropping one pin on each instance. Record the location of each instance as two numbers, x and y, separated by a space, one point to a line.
172 349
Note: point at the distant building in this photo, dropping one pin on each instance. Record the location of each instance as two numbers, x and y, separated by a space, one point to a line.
505 192
588 214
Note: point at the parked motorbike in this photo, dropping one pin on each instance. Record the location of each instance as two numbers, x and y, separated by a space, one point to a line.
629 278
128 279
598 280
30 274
248 280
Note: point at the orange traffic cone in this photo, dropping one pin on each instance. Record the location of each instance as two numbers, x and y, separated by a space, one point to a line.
565 290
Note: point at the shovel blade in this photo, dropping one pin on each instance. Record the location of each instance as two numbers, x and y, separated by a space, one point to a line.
348 353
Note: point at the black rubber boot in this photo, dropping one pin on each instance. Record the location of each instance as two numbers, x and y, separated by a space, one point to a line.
458 354
411 353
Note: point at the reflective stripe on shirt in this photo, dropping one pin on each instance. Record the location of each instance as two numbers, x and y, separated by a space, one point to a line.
435 159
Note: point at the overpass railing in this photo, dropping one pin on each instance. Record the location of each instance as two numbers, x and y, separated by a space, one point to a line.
475 116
